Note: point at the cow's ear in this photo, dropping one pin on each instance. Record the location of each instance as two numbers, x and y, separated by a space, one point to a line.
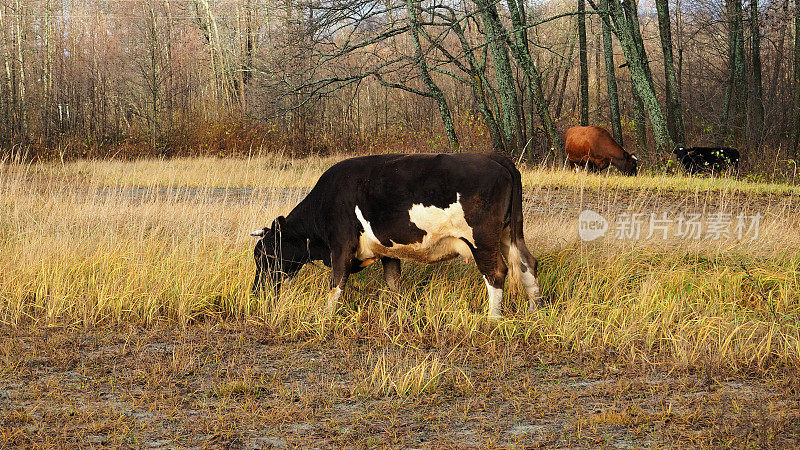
278 223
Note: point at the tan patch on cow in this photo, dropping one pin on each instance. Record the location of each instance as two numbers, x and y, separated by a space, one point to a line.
368 262
445 232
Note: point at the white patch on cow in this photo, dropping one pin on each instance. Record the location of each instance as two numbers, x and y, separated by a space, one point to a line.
367 238
257 233
520 268
333 297
495 298
532 288
444 230
442 222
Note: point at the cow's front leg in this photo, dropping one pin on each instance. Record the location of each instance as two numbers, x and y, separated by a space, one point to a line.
341 264
494 271
391 272
258 283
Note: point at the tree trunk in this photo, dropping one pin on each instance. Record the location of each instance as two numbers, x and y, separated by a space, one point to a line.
758 105
639 120
795 151
249 38
153 75
22 104
523 56
679 45
626 24
729 91
224 69
477 82
737 98
10 85
779 58
598 62
509 103
584 65
47 79
740 74
169 88
611 78
567 67
433 89
673 102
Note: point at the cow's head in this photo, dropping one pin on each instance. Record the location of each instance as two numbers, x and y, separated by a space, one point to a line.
631 164
278 254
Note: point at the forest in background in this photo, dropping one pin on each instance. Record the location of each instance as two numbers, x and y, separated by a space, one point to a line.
130 78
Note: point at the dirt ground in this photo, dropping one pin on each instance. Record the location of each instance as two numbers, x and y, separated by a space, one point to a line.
224 385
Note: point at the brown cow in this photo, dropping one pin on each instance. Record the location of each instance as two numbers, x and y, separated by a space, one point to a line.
595 149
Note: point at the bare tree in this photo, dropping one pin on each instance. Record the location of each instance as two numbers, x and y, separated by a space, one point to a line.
755 55
584 65
611 78
673 102
534 81
624 21
432 89
795 143
736 89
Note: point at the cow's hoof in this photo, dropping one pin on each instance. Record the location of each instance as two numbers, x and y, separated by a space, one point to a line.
535 304
330 308
494 316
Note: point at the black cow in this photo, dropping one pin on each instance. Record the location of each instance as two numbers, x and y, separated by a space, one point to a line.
707 159
423 207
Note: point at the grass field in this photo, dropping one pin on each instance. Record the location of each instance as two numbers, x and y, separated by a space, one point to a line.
123 309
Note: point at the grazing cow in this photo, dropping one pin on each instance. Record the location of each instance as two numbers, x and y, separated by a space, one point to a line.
707 159
595 149
422 207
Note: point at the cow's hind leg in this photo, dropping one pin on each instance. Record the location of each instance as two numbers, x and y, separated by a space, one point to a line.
391 272
494 270
528 267
521 262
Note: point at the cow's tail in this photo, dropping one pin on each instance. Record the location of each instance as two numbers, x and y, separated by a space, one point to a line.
515 209
518 253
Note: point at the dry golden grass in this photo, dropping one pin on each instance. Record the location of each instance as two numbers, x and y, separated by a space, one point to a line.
279 171
73 257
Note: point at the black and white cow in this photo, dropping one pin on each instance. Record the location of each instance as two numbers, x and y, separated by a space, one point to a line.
707 159
423 207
